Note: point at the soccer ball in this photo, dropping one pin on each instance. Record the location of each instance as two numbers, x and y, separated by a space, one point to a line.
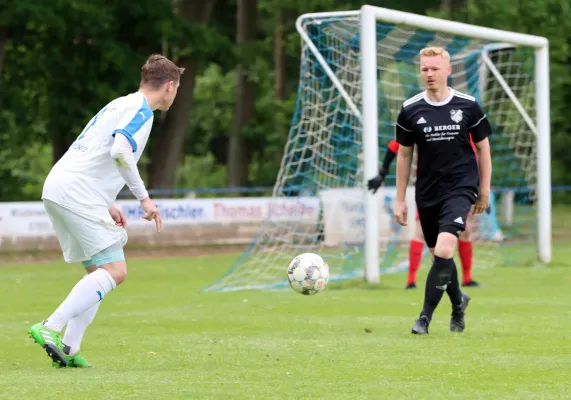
308 274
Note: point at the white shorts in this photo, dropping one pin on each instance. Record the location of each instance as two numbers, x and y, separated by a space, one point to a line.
84 233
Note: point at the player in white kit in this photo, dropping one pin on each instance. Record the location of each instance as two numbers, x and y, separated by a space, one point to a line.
78 196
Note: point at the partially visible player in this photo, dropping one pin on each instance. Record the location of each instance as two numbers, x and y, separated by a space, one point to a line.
465 246
78 196
450 181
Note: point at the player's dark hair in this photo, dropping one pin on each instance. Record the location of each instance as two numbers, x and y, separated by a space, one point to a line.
158 70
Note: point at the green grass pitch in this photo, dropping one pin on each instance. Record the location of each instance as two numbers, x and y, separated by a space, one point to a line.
158 337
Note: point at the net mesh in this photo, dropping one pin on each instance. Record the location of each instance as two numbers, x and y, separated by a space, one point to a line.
323 154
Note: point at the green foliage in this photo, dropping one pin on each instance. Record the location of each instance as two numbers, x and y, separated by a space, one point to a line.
212 119
211 175
31 169
65 59
212 114
97 56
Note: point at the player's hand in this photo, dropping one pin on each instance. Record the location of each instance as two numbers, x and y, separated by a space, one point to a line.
401 212
118 216
152 213
483 202
375 183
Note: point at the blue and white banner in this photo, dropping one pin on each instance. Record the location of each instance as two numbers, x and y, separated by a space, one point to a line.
29 219
344 216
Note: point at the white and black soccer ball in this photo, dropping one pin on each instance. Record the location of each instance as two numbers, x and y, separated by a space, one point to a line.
308 274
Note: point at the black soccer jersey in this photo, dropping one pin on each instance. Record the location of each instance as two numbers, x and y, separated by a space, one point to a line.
447 163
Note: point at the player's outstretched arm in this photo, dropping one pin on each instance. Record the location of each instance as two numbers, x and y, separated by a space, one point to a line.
375 183
122 154
485 167
404 161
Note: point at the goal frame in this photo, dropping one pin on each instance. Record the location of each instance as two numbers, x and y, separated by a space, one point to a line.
369 15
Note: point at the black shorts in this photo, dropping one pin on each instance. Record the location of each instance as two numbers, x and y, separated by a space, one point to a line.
450 216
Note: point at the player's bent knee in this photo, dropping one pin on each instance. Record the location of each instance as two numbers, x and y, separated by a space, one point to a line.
445 245
112 259
117 270
91 269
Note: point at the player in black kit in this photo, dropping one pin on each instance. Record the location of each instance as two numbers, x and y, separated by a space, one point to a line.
449 182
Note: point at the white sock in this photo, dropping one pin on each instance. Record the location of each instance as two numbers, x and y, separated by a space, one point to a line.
76 328
86 293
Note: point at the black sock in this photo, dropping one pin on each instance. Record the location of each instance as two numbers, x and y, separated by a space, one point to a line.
438 278
453 288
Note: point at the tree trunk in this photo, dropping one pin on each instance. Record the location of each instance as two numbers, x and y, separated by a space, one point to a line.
446 6
3 40
59 146
449 6
279 55
169 148
239 154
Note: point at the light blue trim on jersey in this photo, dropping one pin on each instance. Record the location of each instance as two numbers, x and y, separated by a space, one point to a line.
128 136
136 123
113 253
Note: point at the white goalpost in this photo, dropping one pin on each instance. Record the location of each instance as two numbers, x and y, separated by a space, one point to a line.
357 67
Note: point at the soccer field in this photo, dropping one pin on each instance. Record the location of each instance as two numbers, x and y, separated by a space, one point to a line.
159 337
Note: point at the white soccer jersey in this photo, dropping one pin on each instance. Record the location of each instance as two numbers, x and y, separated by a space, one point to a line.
87 175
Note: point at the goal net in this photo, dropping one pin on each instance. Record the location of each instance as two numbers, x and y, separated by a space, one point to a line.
324 154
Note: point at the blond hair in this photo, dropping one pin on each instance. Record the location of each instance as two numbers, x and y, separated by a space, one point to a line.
435 51
158 70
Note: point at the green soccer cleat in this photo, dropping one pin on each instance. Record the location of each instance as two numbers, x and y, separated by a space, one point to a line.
51 342
77 360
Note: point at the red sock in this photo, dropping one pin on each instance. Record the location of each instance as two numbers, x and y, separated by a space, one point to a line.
466 252
414 259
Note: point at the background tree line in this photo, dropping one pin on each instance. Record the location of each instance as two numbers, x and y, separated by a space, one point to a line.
62 60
